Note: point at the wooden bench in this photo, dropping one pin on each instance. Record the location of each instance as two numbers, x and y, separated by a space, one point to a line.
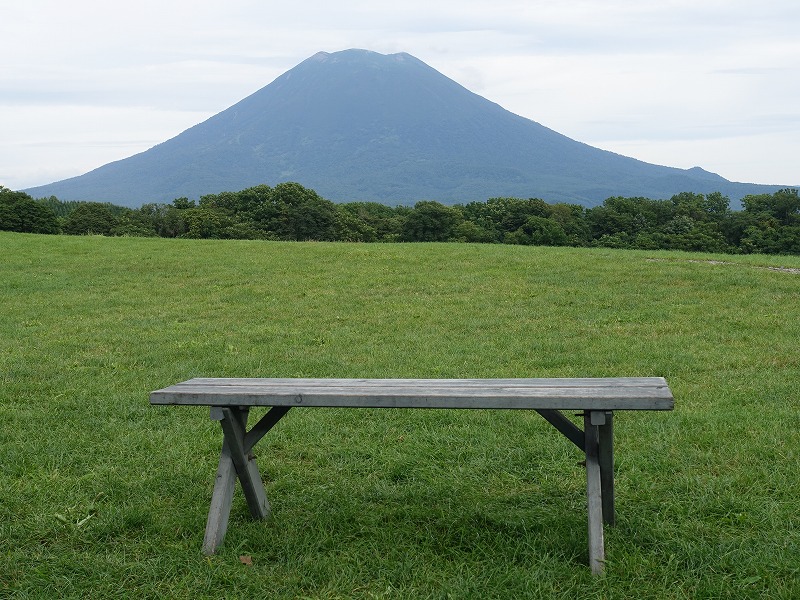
231 399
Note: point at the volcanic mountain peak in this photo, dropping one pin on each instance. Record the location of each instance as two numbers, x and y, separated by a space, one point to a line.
358 125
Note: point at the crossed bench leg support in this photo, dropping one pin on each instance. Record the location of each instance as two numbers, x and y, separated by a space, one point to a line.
236 460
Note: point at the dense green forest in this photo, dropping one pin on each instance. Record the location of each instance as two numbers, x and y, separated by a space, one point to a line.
768 223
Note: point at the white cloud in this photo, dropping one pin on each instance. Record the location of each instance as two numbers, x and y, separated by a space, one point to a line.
712 83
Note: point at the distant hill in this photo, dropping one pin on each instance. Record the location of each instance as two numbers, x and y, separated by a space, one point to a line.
357 125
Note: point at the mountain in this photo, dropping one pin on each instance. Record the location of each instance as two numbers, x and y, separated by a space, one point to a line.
357 125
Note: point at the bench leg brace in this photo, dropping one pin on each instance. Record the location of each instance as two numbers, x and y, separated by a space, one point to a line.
235 461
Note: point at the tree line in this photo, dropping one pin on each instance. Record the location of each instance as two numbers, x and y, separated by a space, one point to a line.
768 223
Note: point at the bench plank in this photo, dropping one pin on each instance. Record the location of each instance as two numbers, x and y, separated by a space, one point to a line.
644 393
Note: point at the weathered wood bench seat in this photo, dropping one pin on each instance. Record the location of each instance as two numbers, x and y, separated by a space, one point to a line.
231 399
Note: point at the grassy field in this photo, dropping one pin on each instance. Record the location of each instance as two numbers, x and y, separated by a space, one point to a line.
104 496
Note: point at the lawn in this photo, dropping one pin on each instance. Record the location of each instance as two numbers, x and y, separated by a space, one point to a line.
104 496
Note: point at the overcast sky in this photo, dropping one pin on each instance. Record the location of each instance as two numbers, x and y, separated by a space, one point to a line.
683 83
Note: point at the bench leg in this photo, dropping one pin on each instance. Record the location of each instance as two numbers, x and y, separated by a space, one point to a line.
606 459
597 441
233 462
221 499
594 492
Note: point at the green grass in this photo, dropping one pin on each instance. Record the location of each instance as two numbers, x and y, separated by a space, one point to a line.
104 496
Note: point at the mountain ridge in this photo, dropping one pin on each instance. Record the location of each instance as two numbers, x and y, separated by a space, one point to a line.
356 125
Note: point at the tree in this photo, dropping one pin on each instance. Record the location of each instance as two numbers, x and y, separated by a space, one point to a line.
484 219
349 228
91 218
205 223
690 205
538 231
509 214
183 203
302 214
684 233
717 206
386 221
469 231
166 220
19 212
572 218
632 216
784 205
61 209
243 205
431 222
770 237
134 223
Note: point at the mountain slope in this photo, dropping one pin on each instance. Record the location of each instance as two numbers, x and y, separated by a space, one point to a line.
357 125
